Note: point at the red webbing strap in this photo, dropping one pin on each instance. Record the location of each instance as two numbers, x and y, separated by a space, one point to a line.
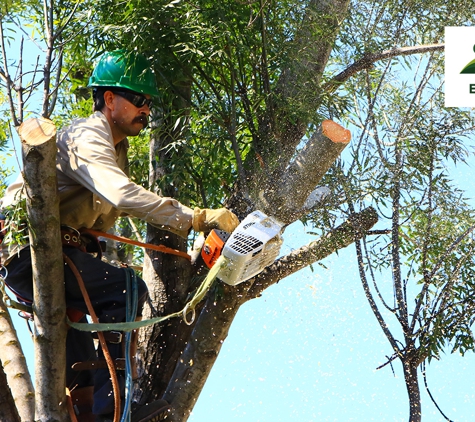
159 248
72 413
105 349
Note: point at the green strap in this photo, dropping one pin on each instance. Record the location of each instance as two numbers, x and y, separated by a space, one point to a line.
189 307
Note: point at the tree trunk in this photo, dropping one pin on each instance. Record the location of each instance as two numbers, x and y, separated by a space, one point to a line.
412 386
168 277
15 369
39 161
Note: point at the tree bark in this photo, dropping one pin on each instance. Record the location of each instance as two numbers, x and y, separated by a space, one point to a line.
412 386
15 369
287 196
8 410
39 157
168 276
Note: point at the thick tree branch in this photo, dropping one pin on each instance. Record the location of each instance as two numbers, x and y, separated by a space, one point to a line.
344 235
367 61
216 317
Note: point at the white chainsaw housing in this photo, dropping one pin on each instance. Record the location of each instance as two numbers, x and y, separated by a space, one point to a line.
253 245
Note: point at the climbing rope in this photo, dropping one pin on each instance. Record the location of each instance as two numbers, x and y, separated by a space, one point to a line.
130 325
102 340
159 248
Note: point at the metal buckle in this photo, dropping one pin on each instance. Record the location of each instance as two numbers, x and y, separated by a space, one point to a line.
3 277
118 338
78 234
113 337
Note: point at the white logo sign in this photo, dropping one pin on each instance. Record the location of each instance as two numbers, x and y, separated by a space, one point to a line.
460 66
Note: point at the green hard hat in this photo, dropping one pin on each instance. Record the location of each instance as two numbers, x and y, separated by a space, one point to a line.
123 69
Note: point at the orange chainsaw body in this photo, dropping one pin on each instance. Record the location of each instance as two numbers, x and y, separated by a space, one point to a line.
213 246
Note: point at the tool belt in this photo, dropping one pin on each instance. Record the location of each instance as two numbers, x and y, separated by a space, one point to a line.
82 240
71 237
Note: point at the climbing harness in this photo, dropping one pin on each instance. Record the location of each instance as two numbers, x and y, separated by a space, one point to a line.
189 307
130 325
102 340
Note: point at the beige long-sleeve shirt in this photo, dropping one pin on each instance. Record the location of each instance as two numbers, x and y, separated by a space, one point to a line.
94 187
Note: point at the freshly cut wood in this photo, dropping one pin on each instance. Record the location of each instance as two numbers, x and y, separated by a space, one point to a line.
37 131
336 133
38 138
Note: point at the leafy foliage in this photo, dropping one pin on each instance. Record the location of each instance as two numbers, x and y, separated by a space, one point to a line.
219 65
407 145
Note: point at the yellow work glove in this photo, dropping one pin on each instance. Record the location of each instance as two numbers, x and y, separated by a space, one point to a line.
204 220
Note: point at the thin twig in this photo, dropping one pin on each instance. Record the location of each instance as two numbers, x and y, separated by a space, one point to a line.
392 310
430 394
7 79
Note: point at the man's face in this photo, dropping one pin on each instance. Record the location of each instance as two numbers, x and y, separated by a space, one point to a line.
129 111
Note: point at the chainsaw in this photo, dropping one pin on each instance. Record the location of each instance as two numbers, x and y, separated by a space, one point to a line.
251 247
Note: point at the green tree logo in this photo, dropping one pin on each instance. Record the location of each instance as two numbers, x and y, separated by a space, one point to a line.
469 68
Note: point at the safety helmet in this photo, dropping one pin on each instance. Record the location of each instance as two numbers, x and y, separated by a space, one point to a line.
123 69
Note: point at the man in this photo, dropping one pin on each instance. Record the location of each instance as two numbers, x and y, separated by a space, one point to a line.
94 191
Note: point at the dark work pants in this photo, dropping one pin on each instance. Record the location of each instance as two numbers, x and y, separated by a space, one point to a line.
106 286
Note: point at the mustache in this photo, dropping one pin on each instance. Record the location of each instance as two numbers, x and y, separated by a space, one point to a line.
141 119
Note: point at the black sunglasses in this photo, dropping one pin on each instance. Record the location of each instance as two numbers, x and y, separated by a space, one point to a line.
138 100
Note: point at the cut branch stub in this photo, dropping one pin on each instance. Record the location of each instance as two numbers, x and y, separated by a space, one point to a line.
37 131
286 198
38 138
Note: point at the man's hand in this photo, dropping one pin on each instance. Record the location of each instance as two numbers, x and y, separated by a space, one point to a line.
204 220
